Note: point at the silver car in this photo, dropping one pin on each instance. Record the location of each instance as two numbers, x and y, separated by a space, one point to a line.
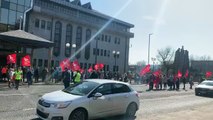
89 99
204 88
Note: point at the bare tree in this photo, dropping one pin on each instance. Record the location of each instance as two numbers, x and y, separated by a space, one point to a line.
205 58
164 56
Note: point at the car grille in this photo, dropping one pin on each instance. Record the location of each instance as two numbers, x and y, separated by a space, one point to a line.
43 115
43 103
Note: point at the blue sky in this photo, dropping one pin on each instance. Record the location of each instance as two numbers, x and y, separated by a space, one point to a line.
174 23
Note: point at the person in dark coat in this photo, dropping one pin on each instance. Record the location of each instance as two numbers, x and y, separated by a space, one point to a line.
29 75
66 78
36 75
94 75
184 82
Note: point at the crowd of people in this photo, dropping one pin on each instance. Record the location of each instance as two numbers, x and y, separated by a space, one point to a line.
15 75
170 82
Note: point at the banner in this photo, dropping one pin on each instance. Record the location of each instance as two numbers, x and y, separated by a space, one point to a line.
75 66
99 66
187 73
208 74
65 64
145 70
179 75
90 69
11 58
25 61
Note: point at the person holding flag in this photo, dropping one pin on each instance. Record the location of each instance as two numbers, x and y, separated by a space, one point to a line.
18 77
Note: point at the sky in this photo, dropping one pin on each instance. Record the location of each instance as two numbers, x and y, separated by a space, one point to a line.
173 23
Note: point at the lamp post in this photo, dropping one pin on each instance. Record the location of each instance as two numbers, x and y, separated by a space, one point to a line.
116 55
68 47
149 46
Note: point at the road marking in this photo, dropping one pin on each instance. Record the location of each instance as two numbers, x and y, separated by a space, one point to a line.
27 109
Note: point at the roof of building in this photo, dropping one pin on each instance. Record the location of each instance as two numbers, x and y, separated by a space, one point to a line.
25 39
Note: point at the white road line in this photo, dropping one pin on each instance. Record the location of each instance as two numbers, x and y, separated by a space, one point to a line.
27 109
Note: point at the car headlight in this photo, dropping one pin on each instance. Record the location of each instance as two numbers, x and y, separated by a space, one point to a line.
61 105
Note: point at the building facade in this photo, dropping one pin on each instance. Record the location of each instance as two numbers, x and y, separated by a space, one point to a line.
11 12
70 25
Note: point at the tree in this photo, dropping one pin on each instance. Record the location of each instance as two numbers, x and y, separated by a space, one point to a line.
164 56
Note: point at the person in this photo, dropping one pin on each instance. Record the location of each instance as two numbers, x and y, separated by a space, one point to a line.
191 81
11 78
94 75
18 77
77 77
66 78
184 82
44 74
4 73
29 75
151 81
36 75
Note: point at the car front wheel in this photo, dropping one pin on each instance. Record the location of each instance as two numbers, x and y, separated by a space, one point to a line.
131 110
78 114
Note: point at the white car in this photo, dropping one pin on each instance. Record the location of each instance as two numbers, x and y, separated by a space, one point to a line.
89 100
204 88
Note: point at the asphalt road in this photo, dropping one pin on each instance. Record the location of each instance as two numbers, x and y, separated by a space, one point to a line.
21 104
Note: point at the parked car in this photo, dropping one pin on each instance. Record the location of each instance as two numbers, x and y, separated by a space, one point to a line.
89 99
204 88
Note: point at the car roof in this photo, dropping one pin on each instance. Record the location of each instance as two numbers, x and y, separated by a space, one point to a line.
208 81
103 81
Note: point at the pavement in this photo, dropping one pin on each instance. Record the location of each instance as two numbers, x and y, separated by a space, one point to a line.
154 105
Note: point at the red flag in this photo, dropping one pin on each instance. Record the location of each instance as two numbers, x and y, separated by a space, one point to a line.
157 73
99 66
65 64
187 73
81 71
25 61
179 75
11 58
90 69
145 70
75 66
208 74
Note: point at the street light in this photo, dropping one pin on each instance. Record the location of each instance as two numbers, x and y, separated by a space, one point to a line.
116 55
149 46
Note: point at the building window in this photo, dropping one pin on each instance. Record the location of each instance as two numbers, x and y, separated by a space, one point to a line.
87 48
57 38
37 22
104 52
109 39
115 40
5 4
43 23
49 25
101 52
45 63
78 41
34 62
68 40
105 38
40 62
119 40
85 65
102 38
107 67
97 52
108 53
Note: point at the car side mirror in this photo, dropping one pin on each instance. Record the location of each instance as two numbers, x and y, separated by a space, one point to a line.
97 95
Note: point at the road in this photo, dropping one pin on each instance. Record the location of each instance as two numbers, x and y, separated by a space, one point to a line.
154 105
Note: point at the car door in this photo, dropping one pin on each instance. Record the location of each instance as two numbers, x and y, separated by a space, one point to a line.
121 97
102 106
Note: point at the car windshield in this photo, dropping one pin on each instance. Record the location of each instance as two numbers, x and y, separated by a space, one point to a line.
207 83
82 88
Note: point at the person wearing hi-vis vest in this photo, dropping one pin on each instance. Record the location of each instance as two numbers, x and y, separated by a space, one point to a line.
77 78
18 77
